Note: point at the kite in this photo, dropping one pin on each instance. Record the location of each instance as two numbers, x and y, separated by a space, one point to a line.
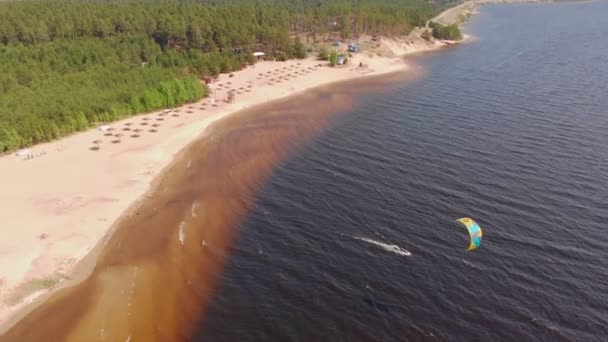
474 232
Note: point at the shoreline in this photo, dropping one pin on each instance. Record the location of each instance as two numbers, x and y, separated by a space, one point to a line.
461 13
63 255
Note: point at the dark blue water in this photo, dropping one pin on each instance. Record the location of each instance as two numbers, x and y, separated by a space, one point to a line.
511 130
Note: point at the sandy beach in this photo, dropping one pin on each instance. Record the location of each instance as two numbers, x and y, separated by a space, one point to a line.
57 206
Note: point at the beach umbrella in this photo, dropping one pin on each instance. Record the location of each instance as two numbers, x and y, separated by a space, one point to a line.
117 141
94 148
118 135
97 142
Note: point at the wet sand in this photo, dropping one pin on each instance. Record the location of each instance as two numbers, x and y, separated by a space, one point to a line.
153 278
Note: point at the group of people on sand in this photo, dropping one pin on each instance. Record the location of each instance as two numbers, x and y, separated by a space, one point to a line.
28 155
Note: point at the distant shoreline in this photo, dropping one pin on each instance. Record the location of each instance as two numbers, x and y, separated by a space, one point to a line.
461 13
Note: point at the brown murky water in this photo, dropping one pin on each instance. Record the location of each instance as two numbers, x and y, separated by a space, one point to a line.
157 272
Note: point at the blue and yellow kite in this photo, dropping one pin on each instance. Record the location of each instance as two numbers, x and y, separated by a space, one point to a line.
474 232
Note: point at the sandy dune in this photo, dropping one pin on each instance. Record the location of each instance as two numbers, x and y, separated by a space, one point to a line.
57 206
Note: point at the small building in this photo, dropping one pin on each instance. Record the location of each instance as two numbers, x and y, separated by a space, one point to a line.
354 48
341 59
104 128
259 55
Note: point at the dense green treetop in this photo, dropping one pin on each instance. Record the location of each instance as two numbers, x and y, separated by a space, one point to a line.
449 32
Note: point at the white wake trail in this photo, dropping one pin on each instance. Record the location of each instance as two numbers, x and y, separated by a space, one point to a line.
390 248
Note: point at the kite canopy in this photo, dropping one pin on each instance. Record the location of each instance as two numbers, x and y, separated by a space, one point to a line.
474 232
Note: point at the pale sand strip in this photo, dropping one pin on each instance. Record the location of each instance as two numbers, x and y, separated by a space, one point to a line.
56 207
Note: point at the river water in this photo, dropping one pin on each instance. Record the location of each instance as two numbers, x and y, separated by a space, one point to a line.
511 130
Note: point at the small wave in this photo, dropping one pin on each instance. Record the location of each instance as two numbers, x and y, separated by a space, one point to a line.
544 324
182 233
468 263
195 205
390 248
